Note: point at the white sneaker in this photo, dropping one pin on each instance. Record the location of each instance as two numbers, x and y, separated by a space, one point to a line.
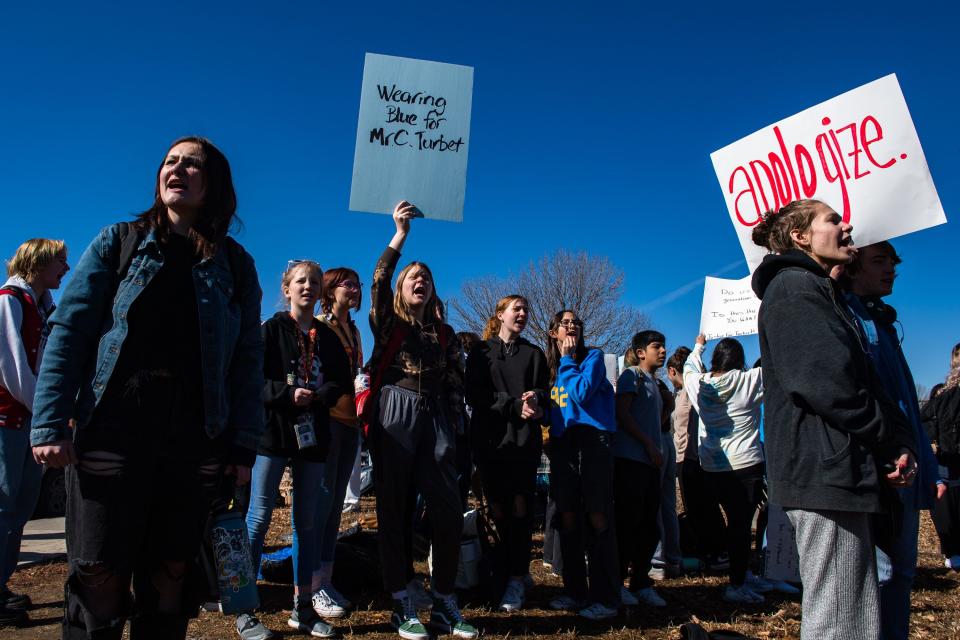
337 597
650 597
758 584
566 603
741 594
325 606
953 562
627 599
418 594
597 611
513 596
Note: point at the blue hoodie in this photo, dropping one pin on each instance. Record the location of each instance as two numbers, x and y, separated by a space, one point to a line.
897 381
582 395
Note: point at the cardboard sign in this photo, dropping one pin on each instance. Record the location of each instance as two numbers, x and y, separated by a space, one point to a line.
729 308
412 136
782 562
858 153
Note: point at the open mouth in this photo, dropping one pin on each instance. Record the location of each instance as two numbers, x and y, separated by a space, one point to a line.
175 184
419 290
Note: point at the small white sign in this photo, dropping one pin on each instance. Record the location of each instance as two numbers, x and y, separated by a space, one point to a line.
782 559
729 308
413 135
858 153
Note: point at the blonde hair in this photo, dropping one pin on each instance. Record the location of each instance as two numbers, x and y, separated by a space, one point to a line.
292 266
953 378
494 323
33 256
432 309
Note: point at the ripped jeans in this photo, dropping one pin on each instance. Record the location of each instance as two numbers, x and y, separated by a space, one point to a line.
136 518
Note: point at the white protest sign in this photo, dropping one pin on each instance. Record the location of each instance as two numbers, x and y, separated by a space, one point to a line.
782 562
412 136
729 308
858 152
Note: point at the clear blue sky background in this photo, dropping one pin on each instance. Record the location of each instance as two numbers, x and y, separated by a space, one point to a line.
592 129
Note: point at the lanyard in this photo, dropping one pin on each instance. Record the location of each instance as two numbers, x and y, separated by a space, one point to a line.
306 352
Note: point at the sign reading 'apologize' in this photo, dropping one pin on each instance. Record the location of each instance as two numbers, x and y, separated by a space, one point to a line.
729 308
412 136
858 153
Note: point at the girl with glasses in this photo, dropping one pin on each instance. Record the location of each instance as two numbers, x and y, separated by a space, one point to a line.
582 422
341 293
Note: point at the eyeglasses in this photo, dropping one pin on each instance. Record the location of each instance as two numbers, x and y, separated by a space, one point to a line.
566 324
350 285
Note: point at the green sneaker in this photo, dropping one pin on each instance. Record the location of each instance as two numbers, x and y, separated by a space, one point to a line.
406 622
446 617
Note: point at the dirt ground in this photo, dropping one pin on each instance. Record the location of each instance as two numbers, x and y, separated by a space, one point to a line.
935 605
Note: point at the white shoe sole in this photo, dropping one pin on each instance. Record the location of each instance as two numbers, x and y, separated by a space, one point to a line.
293 624
332 614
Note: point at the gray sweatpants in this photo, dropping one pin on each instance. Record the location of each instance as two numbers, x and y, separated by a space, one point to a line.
415 452
838 567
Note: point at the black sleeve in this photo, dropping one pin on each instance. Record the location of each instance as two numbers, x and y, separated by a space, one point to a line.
481 392
276 391
541 381
338 379
821 372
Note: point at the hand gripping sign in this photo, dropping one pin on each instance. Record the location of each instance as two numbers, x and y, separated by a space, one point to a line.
858 152
413 135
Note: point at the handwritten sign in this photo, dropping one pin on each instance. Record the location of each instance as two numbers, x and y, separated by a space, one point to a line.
412 136
780 550
729 308
858 152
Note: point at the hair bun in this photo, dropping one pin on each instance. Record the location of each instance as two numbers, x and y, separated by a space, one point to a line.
761 232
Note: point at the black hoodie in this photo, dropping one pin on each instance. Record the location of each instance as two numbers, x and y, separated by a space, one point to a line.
497 375
827 422
280 362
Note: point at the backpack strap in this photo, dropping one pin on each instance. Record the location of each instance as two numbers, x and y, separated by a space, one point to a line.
18 293
399 333
235 257
129 242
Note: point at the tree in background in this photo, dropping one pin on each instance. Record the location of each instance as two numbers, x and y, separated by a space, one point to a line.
590 285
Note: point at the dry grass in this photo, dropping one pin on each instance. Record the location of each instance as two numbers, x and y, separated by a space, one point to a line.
935 610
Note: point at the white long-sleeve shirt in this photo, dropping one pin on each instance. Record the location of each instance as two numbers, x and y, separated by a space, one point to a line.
729 406
16 376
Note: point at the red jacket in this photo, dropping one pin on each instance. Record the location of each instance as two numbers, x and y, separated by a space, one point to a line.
12 412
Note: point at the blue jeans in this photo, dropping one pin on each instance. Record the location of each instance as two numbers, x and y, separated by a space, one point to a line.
19 489
264 482
668 550
344 442
896 578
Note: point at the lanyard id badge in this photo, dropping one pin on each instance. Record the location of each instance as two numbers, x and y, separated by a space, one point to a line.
306 434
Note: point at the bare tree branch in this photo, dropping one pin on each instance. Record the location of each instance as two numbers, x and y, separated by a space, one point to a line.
590 285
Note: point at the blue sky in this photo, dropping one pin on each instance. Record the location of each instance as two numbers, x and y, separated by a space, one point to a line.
592 128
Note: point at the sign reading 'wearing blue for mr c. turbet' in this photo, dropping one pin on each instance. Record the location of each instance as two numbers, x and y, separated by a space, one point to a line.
413 136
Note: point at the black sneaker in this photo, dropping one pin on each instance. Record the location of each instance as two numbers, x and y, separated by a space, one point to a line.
12 617
250 628
446 617
15 601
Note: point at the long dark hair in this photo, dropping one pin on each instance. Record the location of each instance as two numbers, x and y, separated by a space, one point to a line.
553 351
218 212
727 356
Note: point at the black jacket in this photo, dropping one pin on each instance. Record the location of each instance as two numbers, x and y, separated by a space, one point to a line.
941 419
828 424
496 377
281 359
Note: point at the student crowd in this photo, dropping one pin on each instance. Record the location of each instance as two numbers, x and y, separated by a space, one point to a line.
154 380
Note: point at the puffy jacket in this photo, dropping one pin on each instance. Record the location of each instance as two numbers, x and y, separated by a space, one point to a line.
90 324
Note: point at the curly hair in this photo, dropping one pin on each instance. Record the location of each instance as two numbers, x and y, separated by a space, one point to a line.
773 230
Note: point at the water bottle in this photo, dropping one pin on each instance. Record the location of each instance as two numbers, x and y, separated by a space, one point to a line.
236 577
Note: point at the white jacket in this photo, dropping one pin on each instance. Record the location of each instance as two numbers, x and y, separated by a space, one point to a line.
729 406
16 376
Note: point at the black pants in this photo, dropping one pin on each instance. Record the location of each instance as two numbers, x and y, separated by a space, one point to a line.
138 518
636 488
415 451
701 505
738 492
946 519
581 474
504 482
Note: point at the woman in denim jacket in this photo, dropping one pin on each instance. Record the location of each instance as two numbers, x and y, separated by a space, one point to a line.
160 365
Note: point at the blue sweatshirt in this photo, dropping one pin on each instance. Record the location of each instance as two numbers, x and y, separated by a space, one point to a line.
582 395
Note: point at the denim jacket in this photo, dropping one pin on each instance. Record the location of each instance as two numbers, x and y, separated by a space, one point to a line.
88 332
